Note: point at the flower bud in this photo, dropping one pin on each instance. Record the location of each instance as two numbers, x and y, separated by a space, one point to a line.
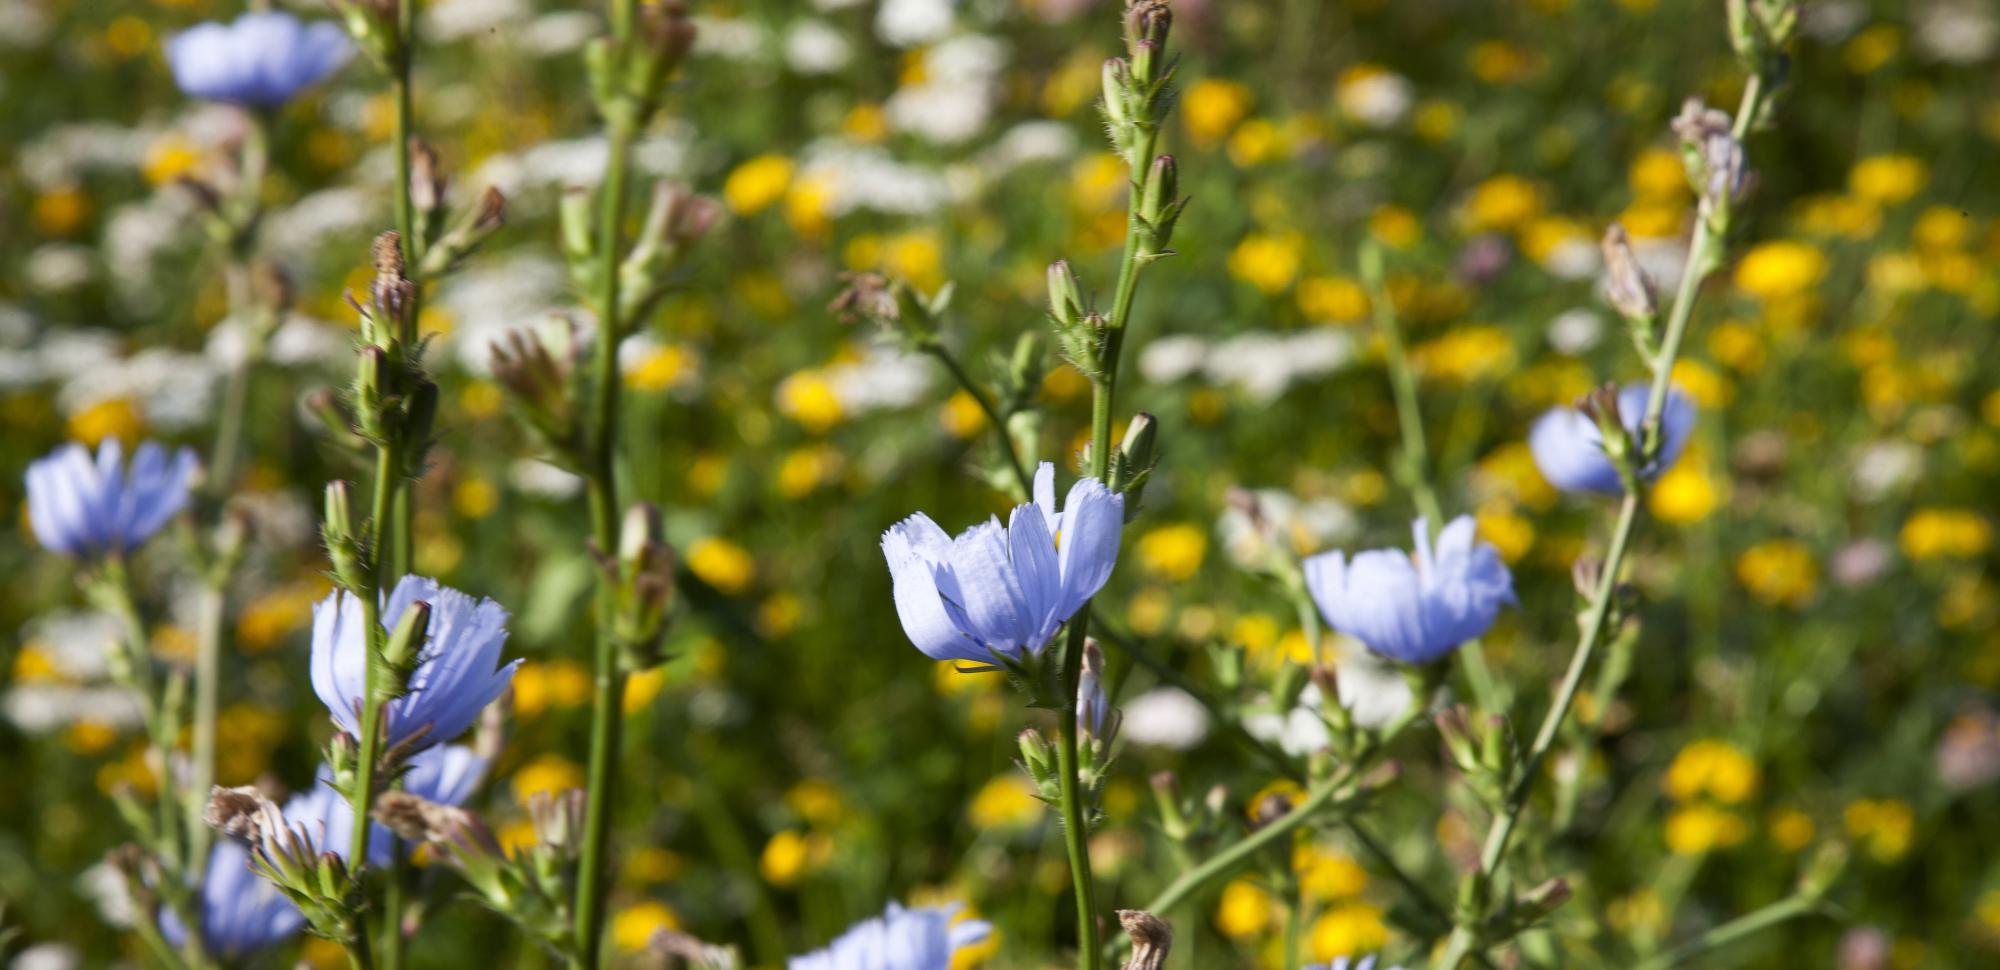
574 215
405 643
1135 461
1160 203
1626 283
1065 294
428 182
343 546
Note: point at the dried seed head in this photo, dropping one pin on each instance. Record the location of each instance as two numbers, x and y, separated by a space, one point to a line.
1152 938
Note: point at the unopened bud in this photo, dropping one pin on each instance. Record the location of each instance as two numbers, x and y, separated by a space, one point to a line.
1065 295
1136 458
406 642
428 183
1626 283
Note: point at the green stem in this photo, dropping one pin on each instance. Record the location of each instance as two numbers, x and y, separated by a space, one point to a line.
1295 918
1743 926
1076 833
369 749
607 704
1229 860
209 612
993 416
393 904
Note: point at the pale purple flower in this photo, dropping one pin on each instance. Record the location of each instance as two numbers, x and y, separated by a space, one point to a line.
1414 609
261 59
1569 447
83 507
455 676
239 912
900 939
1002 592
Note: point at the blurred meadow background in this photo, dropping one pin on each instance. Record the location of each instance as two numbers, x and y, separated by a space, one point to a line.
1821 634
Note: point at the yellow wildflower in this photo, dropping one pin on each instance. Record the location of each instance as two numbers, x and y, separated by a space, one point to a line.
1349 928
1884 827
1780 572
1702 828
1779 269
1934 533
1211 109
548 773
1245 910
1888 179
1173 552
1007 801
1268 261
1714 767
722 564
634 926
757 183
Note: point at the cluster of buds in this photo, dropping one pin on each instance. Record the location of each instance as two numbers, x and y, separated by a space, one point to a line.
1189 824
312 876
537 368
532 887
629 70
1137 87
894 306
1080 330
444 241
376 29
1483 749
641 579
393 403
1625 454
676 220
1137 93
1760 30
1715 163
1096 730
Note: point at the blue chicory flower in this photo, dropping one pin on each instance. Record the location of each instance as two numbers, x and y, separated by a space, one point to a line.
924 938
261 59
1348 963
1001 593
1414 609
1569 446
239 912
455 676
85 508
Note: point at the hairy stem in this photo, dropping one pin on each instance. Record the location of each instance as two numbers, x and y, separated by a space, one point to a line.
607 703
370 743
